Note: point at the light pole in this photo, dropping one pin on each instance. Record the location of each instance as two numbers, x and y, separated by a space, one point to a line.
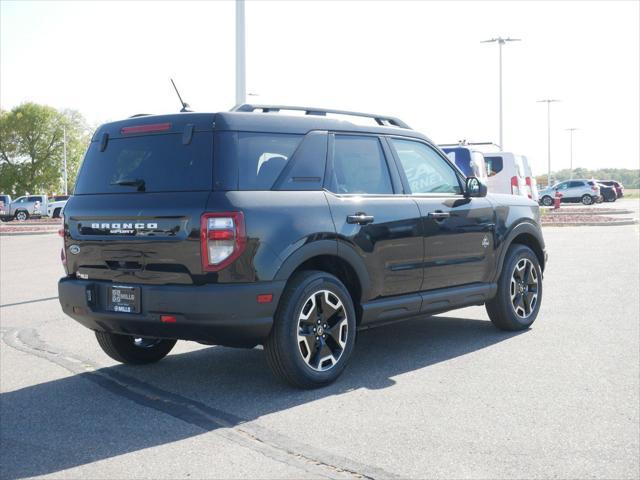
241 84
501 41
571 130
548 101
64 157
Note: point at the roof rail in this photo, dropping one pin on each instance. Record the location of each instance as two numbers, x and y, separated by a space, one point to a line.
463 143
382 120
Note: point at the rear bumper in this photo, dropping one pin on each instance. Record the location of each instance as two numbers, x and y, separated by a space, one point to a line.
221 314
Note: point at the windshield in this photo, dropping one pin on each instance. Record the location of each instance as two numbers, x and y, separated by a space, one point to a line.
150 163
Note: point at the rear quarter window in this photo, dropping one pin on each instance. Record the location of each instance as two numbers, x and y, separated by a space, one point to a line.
262 157
163 162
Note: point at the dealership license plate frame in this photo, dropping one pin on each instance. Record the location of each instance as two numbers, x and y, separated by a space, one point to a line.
124 299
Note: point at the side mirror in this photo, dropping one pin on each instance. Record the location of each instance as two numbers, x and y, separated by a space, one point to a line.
475 188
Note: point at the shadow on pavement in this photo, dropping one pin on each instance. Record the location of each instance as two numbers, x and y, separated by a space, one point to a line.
69 422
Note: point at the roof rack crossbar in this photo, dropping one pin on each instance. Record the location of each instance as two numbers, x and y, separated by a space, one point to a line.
382 120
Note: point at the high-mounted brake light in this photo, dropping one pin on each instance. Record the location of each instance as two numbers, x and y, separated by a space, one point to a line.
222 239
152 127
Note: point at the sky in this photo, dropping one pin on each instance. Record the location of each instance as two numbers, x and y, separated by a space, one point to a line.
420 61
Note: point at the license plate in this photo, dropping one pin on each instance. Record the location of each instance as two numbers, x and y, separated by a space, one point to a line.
124 299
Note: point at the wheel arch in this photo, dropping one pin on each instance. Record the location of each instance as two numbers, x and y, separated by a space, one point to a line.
524 234
325 256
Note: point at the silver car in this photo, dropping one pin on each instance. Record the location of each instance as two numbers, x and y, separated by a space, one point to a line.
573 191
28 205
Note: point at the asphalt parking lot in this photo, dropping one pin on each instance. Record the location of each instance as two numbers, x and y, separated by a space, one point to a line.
447 396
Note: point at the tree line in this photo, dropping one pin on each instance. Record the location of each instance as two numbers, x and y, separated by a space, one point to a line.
630 178
32 147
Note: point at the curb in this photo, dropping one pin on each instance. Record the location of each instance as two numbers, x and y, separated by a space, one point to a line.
611 212
11 234
592 224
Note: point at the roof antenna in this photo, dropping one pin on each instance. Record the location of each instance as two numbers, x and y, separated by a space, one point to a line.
185 105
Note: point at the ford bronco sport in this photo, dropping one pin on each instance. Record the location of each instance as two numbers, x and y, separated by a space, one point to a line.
292 231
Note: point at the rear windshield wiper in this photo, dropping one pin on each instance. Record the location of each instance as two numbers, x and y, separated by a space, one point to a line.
130 182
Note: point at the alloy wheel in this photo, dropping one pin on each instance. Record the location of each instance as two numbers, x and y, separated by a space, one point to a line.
322 330
524 288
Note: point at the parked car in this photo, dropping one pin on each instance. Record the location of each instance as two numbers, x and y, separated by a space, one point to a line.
468 160
5 202
506 174
55 207
617 185
607 193
28 205
291 231
573 191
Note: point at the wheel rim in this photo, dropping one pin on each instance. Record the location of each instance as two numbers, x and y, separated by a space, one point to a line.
547 201
141 342
323 330
524 288
21 216
586 200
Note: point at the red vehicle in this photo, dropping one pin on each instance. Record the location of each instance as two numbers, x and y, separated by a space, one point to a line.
617 185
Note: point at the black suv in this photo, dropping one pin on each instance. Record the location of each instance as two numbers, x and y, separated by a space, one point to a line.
292 231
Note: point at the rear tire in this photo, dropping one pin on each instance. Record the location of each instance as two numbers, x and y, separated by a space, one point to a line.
587 200
313 332
22 215
134 350
56 213
517 303
547 201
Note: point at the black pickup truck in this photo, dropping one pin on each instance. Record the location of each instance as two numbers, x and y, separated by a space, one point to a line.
292 231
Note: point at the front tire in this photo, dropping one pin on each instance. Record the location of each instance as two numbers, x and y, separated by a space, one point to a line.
56 213
547 201
587 199
517 303
134 350
314 331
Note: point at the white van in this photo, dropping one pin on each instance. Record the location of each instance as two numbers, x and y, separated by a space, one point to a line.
506 174
530 180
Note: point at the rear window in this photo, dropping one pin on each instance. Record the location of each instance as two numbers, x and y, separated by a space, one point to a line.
262 157
163 162
494 165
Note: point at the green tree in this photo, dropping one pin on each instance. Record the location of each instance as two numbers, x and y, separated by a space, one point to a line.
31 148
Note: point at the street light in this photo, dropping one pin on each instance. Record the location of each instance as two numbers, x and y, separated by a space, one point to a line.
501 41
548 101
241 86
571 130
64 158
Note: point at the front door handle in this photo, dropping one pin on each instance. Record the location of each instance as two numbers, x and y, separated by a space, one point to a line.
360 218
439 215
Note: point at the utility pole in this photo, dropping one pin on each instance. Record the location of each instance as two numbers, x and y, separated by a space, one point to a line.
501 41
241 82
571 130
64 157
548 101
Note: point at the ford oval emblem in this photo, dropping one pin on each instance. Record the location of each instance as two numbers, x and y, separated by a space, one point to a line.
75 249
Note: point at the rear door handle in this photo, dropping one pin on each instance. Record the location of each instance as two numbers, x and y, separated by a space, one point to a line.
439 215
360 218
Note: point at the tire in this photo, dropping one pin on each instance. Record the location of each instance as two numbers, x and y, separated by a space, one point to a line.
547 201
501 309
586 199
56 213
22 215
132 350
289 353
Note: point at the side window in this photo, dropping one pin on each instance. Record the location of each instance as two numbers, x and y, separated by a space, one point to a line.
359 166
576 184
493 164
563 186
426 171
262 156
